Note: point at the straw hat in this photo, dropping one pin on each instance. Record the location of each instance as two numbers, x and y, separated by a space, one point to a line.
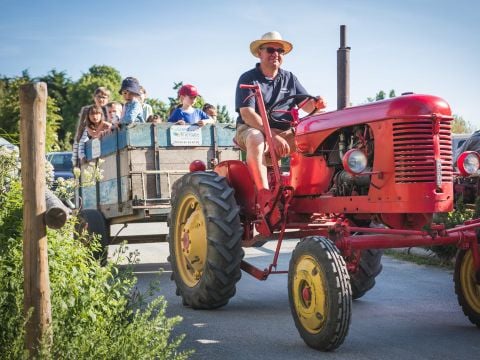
269 37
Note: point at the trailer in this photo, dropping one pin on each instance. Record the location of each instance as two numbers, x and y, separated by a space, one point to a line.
129 173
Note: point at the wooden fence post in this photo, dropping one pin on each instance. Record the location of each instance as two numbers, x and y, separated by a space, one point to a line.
33 118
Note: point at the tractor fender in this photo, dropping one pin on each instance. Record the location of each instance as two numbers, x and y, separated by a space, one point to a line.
238 176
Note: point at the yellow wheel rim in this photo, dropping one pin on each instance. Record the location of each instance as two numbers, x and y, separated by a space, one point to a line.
471 289
190 240
309 294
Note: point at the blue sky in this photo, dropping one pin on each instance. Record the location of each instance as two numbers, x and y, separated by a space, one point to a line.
424 46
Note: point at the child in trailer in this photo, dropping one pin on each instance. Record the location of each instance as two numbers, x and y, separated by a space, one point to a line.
211 111
100 98
187 114
96 127
132 109
147 108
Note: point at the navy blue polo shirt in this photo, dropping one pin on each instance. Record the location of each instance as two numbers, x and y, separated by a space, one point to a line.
273 90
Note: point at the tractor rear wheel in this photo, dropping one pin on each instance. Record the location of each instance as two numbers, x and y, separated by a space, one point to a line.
319 293
93 222
205 240
364 278
467 285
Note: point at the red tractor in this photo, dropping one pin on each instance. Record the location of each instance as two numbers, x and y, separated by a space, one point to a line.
362 179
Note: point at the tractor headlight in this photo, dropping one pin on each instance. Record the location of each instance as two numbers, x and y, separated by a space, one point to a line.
468 163
354 161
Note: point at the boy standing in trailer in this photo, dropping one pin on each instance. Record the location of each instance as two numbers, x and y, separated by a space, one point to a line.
187 114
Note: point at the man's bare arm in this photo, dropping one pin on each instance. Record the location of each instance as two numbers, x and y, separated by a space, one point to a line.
251 118
312 105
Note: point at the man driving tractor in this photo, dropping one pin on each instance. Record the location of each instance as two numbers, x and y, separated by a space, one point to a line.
275 84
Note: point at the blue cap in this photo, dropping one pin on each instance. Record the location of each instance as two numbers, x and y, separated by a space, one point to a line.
131 84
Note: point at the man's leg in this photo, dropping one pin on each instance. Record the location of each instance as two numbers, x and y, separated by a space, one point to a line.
253 142
255 146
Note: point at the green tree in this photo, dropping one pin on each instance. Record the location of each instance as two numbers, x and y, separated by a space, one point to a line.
382 95
80 93
159 107
58 84
223 115
460 125
10 112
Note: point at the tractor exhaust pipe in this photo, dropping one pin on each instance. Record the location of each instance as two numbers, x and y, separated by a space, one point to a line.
343 71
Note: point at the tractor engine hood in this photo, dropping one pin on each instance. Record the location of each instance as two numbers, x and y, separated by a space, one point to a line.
313 130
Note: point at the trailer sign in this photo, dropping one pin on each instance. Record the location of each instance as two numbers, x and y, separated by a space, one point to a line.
186 135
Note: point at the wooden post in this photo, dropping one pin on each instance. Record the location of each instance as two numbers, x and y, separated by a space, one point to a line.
33 118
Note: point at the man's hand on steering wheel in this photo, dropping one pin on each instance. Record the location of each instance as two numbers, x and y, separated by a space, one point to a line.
299 101
320 103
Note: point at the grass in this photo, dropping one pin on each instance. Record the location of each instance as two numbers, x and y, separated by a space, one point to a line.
420 260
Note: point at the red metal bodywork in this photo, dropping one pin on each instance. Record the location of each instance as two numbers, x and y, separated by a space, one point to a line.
411 178
404 172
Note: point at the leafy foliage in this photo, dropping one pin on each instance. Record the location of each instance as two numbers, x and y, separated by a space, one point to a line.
97 312
451 219
461 126
223 115
382 95
10 112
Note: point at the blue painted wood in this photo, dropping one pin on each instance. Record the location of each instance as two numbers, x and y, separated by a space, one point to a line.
89 197
108 192
141 135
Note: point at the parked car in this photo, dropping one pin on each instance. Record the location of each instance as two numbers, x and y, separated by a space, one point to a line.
468 188
62 164
8 145
457 143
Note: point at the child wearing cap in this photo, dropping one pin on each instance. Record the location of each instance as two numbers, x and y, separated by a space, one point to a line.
187 114
132 109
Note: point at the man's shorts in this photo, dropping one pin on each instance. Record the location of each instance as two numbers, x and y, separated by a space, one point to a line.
243 131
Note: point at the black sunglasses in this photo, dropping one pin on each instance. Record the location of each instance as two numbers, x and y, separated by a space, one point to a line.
271 50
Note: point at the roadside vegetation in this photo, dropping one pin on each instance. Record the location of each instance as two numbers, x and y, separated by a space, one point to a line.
444 255
97 312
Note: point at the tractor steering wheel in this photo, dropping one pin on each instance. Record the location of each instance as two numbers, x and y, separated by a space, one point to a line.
298 98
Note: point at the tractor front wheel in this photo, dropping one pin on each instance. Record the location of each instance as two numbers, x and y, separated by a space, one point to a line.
319 293
467 286
369 267
205 240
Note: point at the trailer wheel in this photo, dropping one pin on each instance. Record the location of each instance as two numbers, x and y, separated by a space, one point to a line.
467 286
205 240
319 293
94 223
369 267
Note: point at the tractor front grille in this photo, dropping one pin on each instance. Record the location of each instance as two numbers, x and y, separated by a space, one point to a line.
414 151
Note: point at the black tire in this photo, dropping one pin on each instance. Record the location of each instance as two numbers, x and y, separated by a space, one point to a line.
205 240
467 287
322 316
364 278
94 223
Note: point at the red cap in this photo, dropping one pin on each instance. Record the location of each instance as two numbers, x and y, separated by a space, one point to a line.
188 90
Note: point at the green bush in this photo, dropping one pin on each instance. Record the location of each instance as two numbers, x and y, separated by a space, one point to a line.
96 311
458 216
